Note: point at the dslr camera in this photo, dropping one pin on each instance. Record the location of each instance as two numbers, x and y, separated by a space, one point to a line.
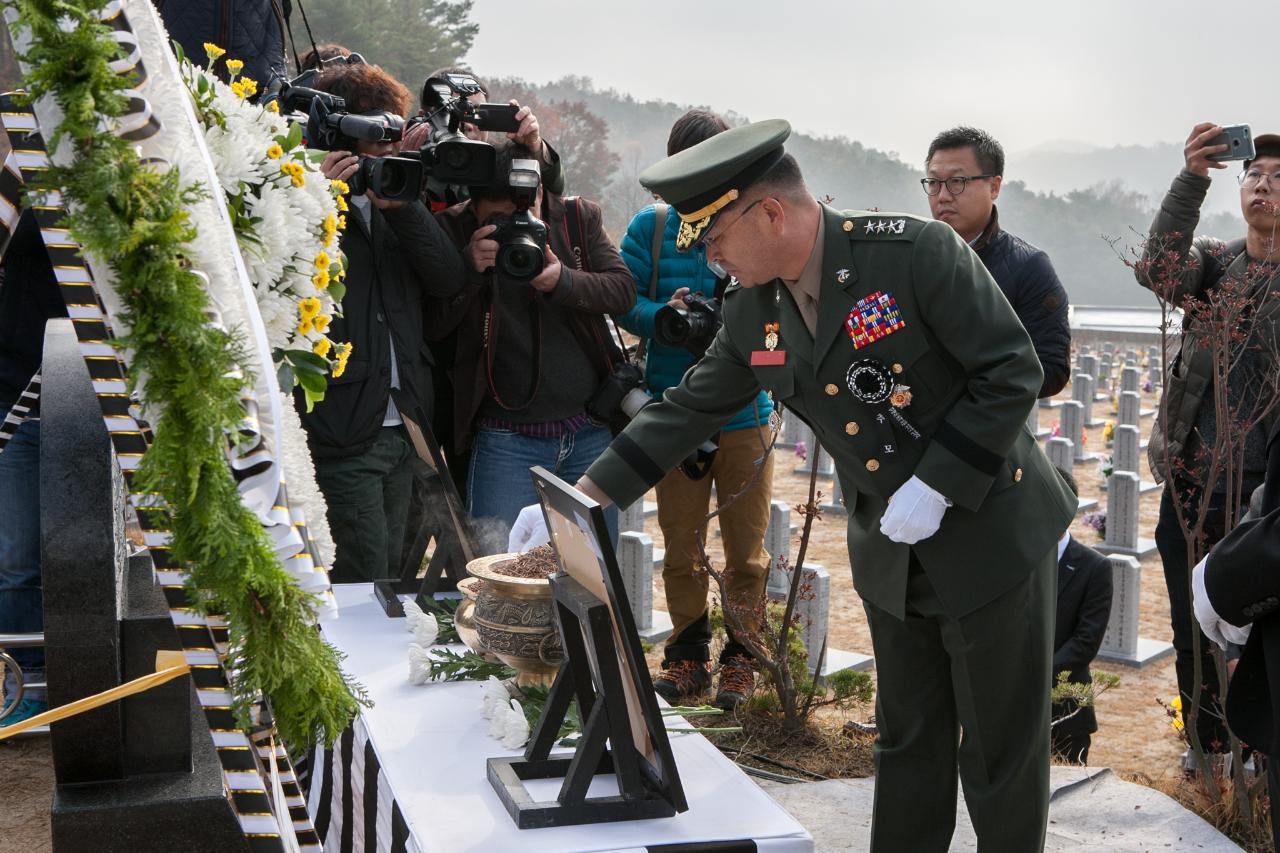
692 327
521 237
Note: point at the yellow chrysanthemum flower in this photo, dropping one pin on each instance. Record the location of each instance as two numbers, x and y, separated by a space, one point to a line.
213 51
340 187
322 261
344 353
342 223
274 107
322 323
309 307
234 67
250 85
342 206
299 181
275 152
305 326
238 88
320 280
322 347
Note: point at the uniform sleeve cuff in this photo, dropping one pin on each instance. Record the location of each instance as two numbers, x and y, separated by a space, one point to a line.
615 472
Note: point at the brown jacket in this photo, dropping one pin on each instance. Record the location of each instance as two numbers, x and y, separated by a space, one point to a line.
603 287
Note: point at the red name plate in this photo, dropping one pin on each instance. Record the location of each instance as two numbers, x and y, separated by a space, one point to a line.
766 357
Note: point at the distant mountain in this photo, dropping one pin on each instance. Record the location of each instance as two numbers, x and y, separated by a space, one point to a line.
1086 207
1064 165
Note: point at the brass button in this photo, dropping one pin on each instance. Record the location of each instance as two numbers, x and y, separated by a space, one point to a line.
897 368
873 465
832 389
851 427
848 225
1017 476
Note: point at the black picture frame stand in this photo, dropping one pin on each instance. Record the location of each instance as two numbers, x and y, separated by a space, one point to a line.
590 673
449 526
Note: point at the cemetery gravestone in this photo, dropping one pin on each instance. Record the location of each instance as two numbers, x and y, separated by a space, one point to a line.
1082 392
1121 643
1130 411
635 559
1130 379
811 612
777 542
1072 429
1122 518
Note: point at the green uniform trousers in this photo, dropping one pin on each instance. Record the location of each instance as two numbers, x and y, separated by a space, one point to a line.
973 689
368 499
682 514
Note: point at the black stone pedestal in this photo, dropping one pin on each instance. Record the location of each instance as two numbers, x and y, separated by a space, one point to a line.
139 774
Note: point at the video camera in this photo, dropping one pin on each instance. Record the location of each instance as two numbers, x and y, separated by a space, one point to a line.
521 237
693 327
448 155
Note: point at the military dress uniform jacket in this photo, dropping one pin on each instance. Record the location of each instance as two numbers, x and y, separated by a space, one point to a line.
973 377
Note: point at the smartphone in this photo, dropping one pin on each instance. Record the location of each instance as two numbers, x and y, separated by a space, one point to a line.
502 117
1239 142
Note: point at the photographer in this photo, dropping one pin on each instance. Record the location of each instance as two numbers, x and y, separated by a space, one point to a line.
532 349
1185 431
396 256
683 502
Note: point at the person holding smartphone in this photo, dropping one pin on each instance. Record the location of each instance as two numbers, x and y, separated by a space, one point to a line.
1186 421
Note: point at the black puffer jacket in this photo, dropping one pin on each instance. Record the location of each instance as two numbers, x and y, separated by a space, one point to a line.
1029 282
29 296
249 30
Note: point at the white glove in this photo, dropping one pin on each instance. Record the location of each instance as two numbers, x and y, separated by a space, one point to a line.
914 512
529 531
1210 622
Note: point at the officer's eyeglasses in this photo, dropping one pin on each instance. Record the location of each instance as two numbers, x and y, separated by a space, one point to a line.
709 242
1252 177
955 184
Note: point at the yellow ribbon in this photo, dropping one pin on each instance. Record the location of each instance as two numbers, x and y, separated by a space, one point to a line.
169 665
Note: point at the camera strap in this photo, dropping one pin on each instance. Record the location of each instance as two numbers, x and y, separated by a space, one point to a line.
491 332
576 236
655 255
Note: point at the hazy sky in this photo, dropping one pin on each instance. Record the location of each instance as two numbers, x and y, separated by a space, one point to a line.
891 73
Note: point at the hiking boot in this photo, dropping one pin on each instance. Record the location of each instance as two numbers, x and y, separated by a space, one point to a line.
737 682
682 680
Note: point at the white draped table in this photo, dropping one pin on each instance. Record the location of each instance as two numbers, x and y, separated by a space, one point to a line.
409 775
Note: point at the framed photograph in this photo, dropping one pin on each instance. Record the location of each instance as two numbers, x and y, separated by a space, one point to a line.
581 540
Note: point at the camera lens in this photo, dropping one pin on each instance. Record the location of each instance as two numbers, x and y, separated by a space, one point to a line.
392 180
521 258
671 326
456 157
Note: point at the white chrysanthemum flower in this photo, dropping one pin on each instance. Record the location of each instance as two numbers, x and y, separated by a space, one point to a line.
412 613
515 727
419 664
233 157
426 629
495 697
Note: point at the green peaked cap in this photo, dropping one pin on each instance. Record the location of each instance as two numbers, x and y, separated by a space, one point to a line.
701 181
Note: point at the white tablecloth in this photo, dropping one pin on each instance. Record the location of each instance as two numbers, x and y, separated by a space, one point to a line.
426 748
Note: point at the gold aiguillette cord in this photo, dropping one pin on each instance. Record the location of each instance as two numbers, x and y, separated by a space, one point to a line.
169 665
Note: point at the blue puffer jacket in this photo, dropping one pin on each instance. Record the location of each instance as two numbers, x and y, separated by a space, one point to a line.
676 269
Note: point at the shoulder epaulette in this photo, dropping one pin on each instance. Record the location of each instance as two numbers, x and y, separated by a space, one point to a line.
872 225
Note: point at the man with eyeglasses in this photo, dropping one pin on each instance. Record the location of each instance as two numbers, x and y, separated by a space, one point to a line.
963 173
886 334
1186 420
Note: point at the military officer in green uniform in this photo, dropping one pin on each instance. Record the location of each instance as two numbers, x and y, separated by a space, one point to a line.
885 333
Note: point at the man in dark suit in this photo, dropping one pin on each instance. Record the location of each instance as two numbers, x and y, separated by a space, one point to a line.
1237 596
1084 606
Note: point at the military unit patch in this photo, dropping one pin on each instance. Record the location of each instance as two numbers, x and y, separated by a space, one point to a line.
872 318
885 226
